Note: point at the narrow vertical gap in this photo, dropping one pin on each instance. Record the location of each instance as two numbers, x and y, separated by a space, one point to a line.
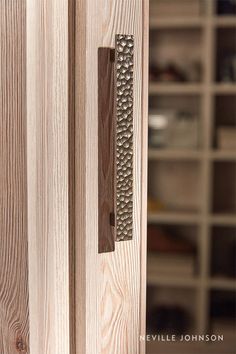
77 174
144 164
71 168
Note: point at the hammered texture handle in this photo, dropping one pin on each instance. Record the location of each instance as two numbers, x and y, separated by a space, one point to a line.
124 136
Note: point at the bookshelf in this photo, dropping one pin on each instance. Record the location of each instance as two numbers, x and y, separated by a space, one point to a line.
212 165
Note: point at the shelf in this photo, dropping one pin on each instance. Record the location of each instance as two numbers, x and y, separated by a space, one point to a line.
190 218
181 22
224 21
190 22
175 154
226 327
174 281
223 155
166 154
161 88
217 283
223 220
173 218
226 347
222 283
224 88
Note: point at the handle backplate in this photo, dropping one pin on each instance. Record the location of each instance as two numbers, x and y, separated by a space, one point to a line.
115 143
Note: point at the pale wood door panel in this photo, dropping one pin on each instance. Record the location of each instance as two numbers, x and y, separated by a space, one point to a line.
47 167
14 326
113 283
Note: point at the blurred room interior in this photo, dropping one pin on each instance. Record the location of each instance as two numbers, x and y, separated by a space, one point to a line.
191 272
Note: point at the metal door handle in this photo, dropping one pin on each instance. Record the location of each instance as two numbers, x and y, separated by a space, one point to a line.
115 143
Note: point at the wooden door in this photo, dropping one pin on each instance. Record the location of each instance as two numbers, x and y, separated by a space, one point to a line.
113 283
57 293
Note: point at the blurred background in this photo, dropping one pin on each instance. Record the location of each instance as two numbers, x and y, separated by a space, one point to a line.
192 174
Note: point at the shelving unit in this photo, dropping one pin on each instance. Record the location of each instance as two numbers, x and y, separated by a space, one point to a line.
174 218
191 89
176 89
206 157
158 154
164 154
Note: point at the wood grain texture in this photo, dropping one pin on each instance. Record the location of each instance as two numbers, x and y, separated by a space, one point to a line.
106 151
48 179
112 297
14 327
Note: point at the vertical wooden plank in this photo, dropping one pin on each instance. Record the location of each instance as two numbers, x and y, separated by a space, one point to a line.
207 107
14 328
80 179
48 178
111 298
